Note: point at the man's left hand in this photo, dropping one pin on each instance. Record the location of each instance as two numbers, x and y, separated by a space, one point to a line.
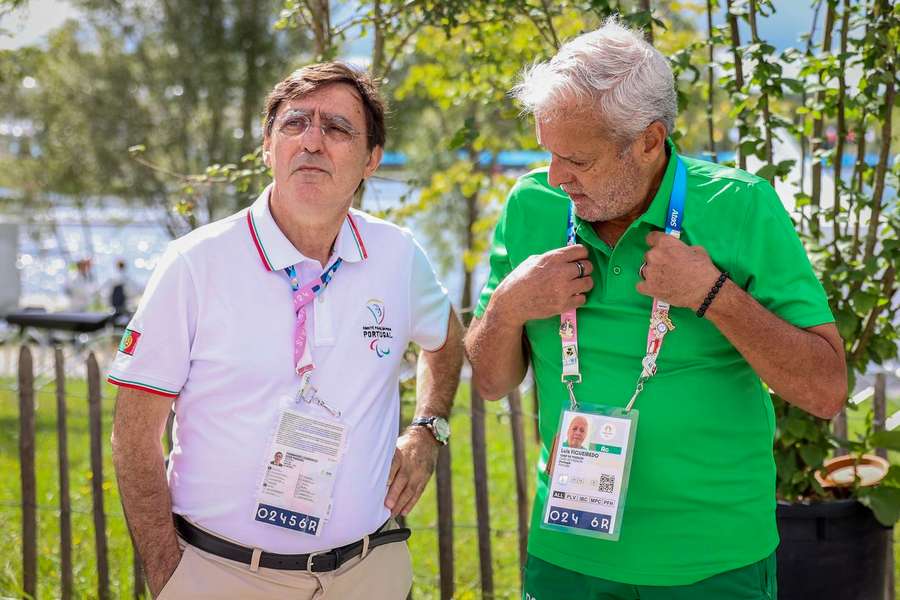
676 273
413 464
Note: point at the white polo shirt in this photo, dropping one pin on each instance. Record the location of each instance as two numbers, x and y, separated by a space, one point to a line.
215 330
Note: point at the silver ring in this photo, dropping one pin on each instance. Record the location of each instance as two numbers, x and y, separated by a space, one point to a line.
580 269
641 270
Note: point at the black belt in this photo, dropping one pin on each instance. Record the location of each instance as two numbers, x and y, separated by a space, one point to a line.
316 562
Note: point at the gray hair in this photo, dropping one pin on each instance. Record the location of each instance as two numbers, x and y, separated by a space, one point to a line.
612 70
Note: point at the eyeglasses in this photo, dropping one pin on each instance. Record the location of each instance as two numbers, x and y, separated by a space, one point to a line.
334 129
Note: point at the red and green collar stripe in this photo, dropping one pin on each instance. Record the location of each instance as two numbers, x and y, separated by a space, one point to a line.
267 263
136 385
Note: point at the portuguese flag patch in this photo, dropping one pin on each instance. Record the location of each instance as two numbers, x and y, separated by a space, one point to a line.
129 342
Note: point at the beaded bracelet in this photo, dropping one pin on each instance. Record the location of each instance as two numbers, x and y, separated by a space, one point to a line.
712 293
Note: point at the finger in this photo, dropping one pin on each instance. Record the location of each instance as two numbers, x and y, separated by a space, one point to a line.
571 253
397 487
575 301
582 286
395 466
644 288
412 501
582 271
655 237
408 494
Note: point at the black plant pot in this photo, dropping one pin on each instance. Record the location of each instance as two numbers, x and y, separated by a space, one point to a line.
831 551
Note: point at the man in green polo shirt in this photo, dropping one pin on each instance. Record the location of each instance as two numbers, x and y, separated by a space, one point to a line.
698 517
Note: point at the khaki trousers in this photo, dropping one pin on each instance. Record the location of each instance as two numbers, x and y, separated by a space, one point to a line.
385 573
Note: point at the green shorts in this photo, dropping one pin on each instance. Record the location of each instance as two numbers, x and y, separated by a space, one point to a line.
544 581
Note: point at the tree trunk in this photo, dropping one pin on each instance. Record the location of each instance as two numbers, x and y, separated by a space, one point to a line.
738 74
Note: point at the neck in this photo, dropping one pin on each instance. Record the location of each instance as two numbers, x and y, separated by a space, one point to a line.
611 231
313 238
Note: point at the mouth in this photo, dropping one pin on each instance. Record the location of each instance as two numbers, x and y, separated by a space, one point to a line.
310 170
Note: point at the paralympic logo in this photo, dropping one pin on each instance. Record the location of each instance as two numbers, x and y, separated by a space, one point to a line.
381 352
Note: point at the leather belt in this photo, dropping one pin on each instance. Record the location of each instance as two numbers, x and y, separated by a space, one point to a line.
315 562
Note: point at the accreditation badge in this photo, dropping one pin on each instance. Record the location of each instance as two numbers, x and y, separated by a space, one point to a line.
301 464
591 461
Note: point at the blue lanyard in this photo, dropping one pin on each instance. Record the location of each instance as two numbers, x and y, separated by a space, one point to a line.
317 286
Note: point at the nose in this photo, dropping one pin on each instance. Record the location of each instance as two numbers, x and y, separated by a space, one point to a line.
557 174
313 140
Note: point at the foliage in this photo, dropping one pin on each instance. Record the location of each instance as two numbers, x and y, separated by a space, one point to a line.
853 243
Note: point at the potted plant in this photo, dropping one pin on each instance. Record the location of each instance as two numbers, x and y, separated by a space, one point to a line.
836 527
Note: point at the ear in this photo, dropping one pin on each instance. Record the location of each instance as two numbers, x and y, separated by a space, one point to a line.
653 142
266 154
374 161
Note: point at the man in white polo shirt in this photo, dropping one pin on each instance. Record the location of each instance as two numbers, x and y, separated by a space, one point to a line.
279 332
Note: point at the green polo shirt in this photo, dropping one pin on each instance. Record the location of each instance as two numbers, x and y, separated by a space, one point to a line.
701 497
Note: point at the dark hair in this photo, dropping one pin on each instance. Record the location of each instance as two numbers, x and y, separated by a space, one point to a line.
313 77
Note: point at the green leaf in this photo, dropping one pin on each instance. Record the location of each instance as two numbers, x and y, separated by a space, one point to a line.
767 171
813 455
889 440
464 136
847 323
863 302
885 503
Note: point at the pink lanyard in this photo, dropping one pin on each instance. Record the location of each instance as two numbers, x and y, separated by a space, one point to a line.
303 295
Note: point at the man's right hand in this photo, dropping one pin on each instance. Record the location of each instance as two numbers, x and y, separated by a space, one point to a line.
544 285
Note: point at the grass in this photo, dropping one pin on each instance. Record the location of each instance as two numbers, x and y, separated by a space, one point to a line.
423 520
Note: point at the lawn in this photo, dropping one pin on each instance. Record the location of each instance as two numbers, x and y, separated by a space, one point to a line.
423 520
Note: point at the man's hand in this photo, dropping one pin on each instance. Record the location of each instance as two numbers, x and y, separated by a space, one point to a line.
413 464
676 273
545 285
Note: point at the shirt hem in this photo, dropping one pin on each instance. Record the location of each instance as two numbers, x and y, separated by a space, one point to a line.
136 385
678 577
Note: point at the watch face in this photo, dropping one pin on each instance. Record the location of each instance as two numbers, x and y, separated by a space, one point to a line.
441 429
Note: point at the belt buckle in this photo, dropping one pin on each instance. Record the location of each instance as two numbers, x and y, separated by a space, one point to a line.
309 560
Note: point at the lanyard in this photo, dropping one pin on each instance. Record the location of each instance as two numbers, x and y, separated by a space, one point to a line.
303 295
660 324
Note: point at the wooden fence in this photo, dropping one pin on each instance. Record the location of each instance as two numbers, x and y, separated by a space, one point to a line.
444 483
444 488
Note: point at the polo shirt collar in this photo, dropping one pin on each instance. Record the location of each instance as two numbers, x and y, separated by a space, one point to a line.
657 211
277 252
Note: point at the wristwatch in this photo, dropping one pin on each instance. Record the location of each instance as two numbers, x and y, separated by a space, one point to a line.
438 426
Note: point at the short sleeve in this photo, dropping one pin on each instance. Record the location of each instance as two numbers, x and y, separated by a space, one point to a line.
429 303
771 263
499 262
154 354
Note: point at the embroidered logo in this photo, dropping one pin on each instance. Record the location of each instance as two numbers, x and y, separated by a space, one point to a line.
377 335
129 342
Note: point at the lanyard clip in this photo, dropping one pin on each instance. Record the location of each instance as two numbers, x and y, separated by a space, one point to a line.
570 385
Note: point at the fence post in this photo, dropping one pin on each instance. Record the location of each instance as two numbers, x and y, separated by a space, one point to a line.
839 429
879 415
518 442
65 503
879 408
95 417
26 466
482 508
445 522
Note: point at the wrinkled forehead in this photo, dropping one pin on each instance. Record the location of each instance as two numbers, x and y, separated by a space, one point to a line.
334 99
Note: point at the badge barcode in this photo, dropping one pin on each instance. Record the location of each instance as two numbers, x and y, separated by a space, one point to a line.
607 484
